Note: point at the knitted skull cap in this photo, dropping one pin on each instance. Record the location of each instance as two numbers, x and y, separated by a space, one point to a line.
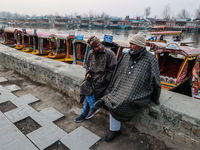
138 39
93 41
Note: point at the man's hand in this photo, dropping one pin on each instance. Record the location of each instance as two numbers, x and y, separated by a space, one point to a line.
88 75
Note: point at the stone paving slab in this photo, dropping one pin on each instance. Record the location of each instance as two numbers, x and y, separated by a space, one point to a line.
20 144
46 116
6 95
80 139
25 100
2 79
11 137
46 135
12 88
20 113
3 120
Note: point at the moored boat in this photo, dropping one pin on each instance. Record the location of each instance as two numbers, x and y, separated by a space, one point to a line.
164 36
175 63
9 37
18 37
117 47
60 49
30 41
44 44
80 51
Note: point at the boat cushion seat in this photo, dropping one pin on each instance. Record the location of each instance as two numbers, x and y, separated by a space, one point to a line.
168 79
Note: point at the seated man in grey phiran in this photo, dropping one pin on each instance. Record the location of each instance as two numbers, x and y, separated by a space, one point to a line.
136 82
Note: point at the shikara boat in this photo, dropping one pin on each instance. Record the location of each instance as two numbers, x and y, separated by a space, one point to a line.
18 37
45 44
80 51
1 35
175 63
29 41
116 46
195 90
157 29
69 44
9 37
60 47
161 37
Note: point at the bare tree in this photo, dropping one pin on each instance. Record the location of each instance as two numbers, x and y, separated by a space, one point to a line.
91 14
147 12
167 12
104 15
197 12
183 14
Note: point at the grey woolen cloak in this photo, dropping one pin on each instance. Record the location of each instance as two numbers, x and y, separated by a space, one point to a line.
134 84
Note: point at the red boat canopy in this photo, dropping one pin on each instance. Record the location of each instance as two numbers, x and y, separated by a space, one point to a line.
58 36
44 35
166 33
183 50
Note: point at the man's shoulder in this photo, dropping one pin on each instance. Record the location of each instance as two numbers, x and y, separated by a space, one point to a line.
110 52
150 55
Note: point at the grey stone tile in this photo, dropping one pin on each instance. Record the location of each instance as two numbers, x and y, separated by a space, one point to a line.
21 143
46 135
2 100
46 116
20 113
24 100
12 88
80 139
2 79
3 120
11 137
8 134
7 96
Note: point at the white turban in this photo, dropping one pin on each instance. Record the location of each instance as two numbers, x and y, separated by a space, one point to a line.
138 39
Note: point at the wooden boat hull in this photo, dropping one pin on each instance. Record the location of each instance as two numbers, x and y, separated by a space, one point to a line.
27 49
46 52
19 47
56 56
171 86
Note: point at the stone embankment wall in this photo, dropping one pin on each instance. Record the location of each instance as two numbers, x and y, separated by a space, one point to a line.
176 120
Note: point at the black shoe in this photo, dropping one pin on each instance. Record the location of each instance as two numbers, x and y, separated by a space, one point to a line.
79 118
112 135
98 104
92 113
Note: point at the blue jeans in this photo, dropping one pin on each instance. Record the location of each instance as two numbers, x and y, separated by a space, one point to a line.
89 103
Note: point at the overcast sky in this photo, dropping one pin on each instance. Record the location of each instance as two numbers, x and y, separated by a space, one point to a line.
119 8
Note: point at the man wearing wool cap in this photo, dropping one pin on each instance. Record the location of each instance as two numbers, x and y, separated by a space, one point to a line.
100 66
135 83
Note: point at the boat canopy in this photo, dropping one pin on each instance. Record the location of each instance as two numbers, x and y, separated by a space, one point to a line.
79 41
183 50
44 35
118 44
58 36
159 27
29 33
10 30
166 33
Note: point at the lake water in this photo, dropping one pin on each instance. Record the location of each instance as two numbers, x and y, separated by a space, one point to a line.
120 34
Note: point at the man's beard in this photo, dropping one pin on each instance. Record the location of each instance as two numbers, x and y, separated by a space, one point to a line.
132 51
